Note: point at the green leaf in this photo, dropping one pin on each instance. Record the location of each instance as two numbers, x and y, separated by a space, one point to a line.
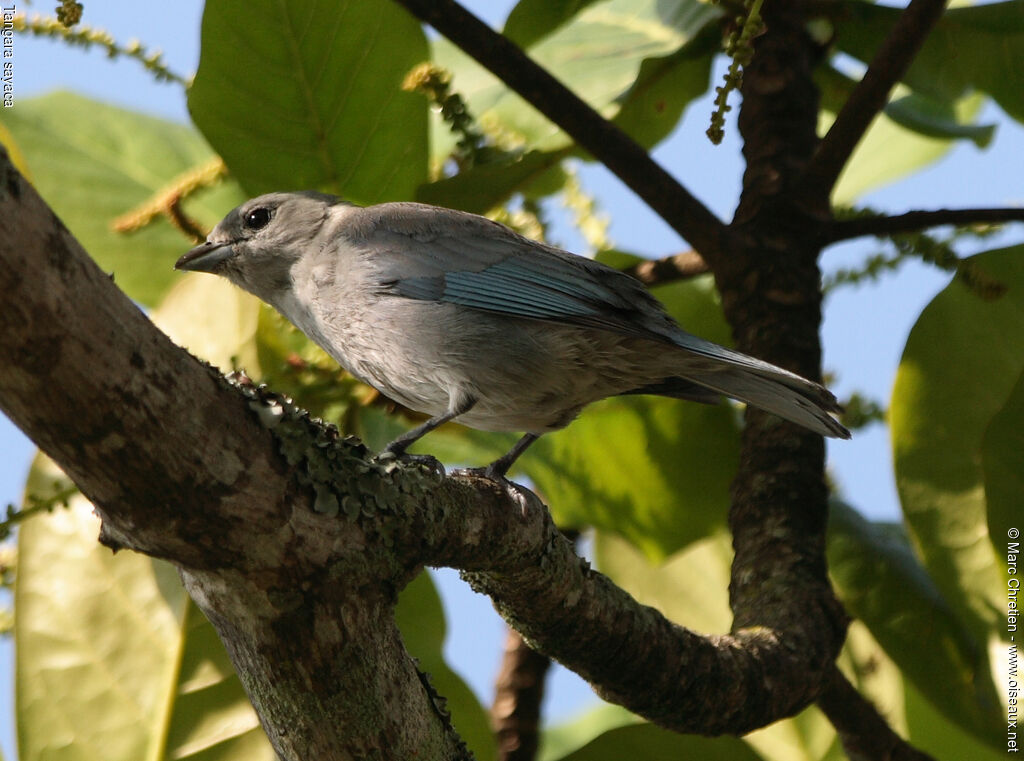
213 319
598 54
564 738
881 582
532 20
922 113
485 186
690 587
971 48
665 86
645 741
112 659
961 365
421 620
93 163
308 95
889 151
1002 462
932 732
934 118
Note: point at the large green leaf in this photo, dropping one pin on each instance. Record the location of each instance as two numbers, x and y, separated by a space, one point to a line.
648 741
890 151
113 660
665 86
1002 462
564 738
214 320
978 47
93 163
485 186
691 587
421 619
308 95
598 54
932 732
881 582
532 20
961 365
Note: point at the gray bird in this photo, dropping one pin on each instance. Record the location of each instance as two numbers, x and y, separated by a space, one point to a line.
457 316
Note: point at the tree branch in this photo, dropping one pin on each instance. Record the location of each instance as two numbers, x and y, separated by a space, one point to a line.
294 541
862 730
912 221
870 95
519 690
604 140
682 266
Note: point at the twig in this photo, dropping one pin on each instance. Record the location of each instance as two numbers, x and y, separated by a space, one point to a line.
865 735
605 141
845 229
870 95
518 693
86 36
682 266
519 690
167 201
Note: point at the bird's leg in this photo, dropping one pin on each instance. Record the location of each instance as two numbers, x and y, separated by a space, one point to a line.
407 439
497 469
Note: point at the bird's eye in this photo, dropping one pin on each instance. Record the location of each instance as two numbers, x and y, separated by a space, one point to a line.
257 218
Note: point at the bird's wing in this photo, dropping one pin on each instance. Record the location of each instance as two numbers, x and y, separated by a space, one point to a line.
426 253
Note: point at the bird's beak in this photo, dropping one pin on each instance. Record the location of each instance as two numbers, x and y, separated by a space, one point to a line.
206 257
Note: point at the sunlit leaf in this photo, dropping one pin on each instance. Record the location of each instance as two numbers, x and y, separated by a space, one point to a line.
531 20
690 587
560 740
1002 462
881 582
598 54
308 96
114 662
961 364
644 741
889 152
486 186
93 163
213 319
977 47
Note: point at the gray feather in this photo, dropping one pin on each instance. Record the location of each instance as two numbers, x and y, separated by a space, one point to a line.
457 316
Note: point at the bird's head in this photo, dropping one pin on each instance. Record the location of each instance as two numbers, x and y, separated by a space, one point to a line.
257 243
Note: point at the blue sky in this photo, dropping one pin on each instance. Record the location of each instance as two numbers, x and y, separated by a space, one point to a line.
864 329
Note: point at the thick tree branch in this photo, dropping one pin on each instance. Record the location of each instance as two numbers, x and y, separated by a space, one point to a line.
604 140
294 541
870 95
912 221
862 730
682 266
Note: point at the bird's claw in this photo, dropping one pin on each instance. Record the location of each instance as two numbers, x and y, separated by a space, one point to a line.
427 461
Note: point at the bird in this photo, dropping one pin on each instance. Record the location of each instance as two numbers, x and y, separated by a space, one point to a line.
461 318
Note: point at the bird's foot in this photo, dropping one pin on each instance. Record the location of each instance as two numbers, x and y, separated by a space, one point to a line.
427 461
490 472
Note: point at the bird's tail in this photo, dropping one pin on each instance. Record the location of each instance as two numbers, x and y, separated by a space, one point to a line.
762 385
